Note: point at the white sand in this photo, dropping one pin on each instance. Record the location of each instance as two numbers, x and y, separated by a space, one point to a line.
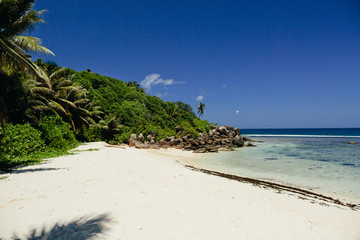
142 194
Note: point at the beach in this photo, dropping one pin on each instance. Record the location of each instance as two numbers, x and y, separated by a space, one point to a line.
106 192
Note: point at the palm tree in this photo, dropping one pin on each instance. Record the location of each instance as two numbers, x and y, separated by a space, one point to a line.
63 97
200 109
16 17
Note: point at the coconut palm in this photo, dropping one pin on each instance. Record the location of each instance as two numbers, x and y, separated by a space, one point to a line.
201 109
16 17
63 97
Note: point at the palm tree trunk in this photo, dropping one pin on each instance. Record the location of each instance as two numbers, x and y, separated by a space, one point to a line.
3 113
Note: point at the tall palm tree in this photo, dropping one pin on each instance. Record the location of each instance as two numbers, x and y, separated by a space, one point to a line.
16 17
200 109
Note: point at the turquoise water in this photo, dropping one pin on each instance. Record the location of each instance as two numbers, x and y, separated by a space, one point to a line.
326 165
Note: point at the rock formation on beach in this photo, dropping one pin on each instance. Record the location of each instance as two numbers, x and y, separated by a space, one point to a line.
224 138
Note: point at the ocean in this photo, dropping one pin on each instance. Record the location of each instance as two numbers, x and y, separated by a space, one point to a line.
319 160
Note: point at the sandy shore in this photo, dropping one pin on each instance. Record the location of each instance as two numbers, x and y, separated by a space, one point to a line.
128 193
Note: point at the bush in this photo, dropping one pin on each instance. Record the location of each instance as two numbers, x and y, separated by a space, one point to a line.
91 134
56 133
189 130
19 144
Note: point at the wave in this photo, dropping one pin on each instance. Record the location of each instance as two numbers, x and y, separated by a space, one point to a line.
299 136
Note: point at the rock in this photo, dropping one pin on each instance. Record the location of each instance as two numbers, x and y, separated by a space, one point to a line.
132 140
352 142
199 130
229 128
154 146
238 141
179 146
248 139
141 145
237 131
185 139
193 142
249 144
222 130
260 141
150 137
213 149
187 146
211 127
141 138
210 133
225 149
179 128
200 150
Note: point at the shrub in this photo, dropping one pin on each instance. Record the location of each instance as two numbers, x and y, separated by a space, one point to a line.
56 133
91 134
189 129
19 144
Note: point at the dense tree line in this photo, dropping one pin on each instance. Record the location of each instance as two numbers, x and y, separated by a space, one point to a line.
46 109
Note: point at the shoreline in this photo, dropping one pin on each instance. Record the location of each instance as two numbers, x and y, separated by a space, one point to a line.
129 193
300 193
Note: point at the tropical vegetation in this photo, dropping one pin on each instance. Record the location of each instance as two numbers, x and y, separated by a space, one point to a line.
45 110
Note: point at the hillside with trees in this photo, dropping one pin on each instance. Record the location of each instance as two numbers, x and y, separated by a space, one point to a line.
45 110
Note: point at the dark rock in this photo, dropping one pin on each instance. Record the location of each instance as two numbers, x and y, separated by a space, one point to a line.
199 130
185 139
237 131
238 141
211 127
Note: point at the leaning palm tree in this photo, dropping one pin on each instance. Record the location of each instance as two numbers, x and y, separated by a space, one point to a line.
17 17
200 109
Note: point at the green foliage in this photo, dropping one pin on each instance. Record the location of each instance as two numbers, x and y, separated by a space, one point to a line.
189 129
19 145
91 134
202 124
56 133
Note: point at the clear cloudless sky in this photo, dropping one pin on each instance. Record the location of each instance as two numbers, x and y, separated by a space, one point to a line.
281 64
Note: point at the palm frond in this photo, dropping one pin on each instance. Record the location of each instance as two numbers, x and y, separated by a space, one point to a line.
26 22
31 44
13 58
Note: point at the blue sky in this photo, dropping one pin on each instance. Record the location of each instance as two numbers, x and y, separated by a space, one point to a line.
281 64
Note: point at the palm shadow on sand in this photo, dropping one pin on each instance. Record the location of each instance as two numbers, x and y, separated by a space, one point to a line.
80 229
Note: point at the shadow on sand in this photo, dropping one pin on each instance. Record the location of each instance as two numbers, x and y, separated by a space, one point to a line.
79 229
